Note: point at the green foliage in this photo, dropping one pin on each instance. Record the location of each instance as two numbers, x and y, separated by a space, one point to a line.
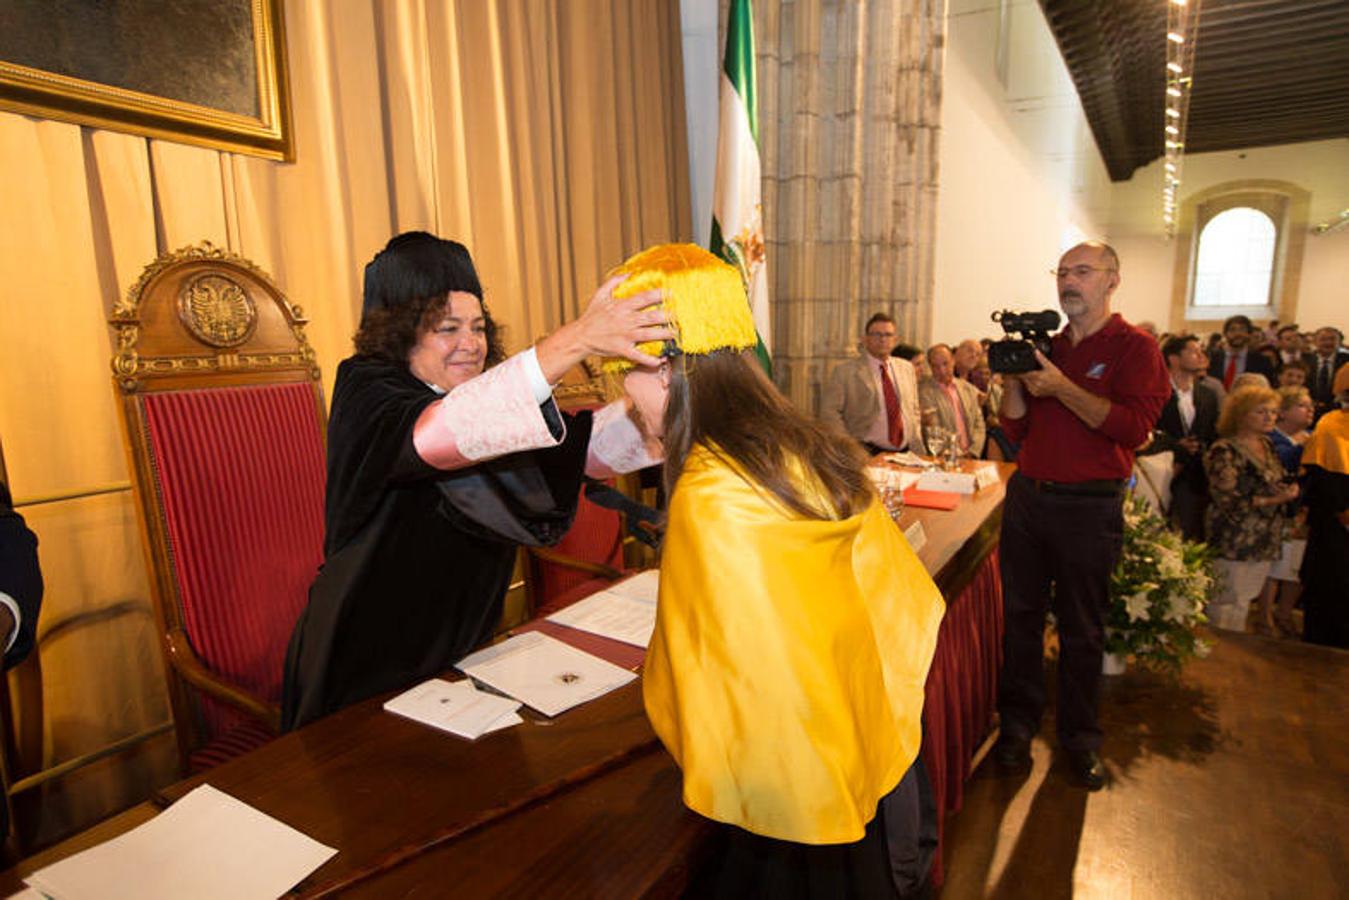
1158 592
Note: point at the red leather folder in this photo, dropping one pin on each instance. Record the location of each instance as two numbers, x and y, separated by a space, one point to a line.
931 499
620 654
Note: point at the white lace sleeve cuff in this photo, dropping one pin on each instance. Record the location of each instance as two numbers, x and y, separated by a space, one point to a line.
18 619
488 416
616 443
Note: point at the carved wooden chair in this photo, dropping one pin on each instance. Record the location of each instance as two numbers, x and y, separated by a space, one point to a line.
224 426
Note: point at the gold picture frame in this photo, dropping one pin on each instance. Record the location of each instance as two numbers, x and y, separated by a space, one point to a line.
183 78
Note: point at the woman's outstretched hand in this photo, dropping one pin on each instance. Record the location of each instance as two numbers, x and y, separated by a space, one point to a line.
608 327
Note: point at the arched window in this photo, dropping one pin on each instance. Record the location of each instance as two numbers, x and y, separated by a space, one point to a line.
1235 263
1239 252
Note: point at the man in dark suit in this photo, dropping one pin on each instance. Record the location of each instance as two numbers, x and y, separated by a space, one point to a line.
1236 357
1288 342
1322 366
1187 425
20 582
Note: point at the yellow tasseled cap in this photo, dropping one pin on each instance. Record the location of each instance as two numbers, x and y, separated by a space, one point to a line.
704 296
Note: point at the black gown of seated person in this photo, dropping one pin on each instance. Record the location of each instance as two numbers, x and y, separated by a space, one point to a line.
416 560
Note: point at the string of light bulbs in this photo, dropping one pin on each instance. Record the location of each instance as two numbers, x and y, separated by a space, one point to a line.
1182 30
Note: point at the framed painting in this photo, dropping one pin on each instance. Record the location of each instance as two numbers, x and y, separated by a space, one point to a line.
206 72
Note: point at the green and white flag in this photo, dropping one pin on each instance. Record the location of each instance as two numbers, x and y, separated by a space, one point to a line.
737 211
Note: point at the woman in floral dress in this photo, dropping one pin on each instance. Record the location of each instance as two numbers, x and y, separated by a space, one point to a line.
1247 488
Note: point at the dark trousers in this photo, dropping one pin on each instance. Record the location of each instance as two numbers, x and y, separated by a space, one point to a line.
1188 502
1057 553
893 858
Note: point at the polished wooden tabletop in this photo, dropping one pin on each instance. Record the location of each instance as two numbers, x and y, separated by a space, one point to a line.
382 789
403 802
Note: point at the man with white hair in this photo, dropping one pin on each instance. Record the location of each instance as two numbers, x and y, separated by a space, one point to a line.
953 401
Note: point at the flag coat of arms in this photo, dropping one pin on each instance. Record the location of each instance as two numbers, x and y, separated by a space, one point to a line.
737 208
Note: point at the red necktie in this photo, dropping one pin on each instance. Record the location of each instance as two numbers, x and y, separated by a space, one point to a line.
1231 372
893 420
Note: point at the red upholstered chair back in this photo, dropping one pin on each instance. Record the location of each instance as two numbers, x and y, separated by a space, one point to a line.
590 554
596 538
224 423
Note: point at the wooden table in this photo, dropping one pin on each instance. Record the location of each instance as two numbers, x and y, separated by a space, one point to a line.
584 803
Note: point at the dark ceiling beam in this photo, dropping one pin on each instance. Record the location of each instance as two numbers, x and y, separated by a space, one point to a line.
1266 71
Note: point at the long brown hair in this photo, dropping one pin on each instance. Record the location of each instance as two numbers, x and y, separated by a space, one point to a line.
723 401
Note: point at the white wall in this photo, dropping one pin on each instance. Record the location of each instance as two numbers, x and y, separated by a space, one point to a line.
1021 178
1320 167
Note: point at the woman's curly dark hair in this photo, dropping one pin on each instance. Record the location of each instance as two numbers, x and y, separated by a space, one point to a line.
407 285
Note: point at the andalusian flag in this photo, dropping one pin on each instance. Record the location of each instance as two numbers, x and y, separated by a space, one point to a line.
737 213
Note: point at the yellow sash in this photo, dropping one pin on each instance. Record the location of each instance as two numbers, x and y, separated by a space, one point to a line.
786 672
1328 446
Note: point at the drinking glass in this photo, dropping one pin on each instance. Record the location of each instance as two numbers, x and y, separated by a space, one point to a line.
938 440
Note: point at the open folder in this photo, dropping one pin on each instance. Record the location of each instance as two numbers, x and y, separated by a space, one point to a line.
543 673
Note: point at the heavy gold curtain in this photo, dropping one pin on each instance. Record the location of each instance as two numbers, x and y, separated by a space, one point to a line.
549 137
849 106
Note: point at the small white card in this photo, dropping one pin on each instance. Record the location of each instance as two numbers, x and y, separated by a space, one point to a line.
916 536
950 482
544 673
985 475
457 707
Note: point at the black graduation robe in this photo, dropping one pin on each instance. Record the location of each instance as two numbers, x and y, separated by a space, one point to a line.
20 576
417 560
1325 565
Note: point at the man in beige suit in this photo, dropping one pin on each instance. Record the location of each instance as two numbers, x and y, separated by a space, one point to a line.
954 402
874 397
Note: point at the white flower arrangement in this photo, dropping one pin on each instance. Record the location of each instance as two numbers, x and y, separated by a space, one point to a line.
1158 592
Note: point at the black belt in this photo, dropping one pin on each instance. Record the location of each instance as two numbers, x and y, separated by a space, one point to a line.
1100 487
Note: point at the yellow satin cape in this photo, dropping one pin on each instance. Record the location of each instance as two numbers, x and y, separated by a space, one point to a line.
787 667
1328 446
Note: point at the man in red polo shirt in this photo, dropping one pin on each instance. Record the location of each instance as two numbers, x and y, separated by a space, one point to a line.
1078 419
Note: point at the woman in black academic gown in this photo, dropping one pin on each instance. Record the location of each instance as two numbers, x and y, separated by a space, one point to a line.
443 457
1325 565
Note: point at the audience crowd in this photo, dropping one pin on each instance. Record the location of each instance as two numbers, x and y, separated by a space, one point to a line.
1243 403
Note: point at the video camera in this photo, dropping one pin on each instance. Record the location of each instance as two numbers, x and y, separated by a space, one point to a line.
1013 355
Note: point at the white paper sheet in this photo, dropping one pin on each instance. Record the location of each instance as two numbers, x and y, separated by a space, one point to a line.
908 458
950 482
985 475
916 536
207 846
644 586
625 611
544 673
457 707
